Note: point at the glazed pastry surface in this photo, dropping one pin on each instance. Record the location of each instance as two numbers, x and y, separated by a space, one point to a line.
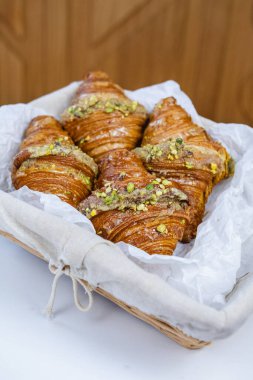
48 161
134 206
176 148
101 118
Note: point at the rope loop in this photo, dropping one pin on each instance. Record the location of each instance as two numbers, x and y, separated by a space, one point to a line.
58 272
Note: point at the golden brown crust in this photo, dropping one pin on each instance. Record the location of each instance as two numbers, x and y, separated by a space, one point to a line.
49 162
101 118
178 149
44 130
133 206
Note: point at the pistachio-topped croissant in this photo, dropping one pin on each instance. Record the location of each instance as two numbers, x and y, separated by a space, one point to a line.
176 148
101 118
49 162
133 206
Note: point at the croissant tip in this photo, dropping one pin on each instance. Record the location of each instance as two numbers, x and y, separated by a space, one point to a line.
44 120
97 75
170 100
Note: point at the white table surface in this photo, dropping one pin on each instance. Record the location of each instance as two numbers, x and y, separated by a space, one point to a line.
105 343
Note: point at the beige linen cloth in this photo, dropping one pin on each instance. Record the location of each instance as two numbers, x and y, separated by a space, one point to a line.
102 264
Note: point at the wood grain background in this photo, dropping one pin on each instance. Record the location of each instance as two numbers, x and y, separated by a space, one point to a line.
205 45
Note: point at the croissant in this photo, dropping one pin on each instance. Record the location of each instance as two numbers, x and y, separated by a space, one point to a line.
101 118
48 161
132 205
176 148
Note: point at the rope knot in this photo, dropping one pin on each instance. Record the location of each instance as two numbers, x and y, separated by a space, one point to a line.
58 272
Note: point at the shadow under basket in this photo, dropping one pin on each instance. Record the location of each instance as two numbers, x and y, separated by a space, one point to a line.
172 332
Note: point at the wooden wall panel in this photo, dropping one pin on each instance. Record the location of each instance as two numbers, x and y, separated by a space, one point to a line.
235 97
205 45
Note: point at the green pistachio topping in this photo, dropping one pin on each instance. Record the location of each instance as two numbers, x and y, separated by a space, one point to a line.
130 187
165 182
58 149
188 165
172 149
55 168
136 199
150 186
91 103
214 167
162 229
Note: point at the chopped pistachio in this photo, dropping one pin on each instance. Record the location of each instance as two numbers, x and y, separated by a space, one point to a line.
162 229
153 197
179 141
165 182
130 187
108 200
158 180
214 167
182 221
141 207
159 193
109 110
188 165
93 100
150 186
78 112
134 105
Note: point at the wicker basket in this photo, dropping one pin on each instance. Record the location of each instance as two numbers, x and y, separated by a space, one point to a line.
173 333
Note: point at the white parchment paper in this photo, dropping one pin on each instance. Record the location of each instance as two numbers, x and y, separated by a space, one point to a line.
205 269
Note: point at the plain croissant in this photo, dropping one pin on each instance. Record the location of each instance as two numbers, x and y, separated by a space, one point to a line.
49 162
135 207
176 148
101 118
